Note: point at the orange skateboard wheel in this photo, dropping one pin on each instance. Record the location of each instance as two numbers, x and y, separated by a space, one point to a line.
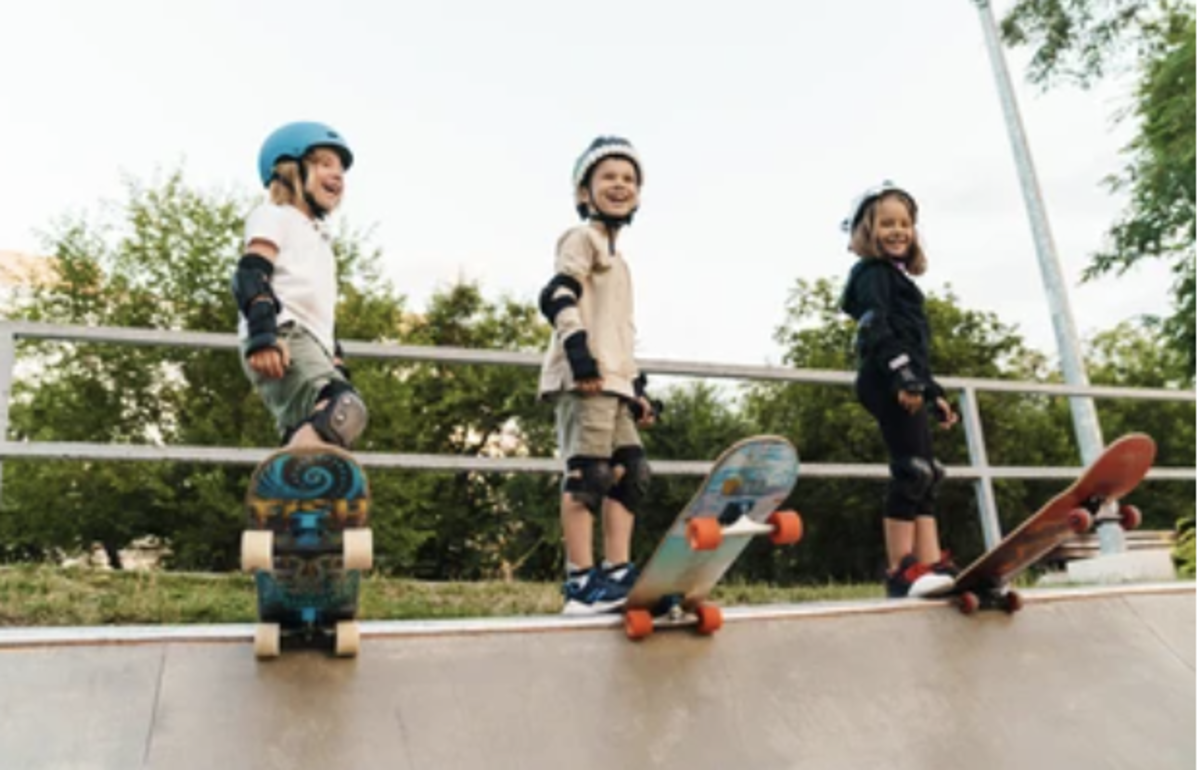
704 534
1131 517
1079 520
638 624
1013 602
709 618
789 527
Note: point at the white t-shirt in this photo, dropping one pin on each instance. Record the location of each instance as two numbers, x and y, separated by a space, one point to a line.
305 278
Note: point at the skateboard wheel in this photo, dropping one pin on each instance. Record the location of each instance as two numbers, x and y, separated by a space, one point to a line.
789 528
968 603
704 534
256 550
266 640
1079 520
710 619
1012 602
346 638
357 549
1131 517
638 624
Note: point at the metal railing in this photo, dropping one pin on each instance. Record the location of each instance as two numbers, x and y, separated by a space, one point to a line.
980 470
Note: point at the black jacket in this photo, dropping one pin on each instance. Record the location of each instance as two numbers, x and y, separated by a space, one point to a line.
893 331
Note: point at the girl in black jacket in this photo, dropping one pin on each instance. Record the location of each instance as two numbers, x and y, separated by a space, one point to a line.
895 384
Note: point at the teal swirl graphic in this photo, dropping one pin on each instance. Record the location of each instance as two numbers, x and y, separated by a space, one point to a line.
310 477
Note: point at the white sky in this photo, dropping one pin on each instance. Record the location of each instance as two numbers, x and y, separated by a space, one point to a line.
757 122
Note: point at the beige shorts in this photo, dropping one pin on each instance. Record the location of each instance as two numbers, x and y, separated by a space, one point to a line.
593 426
291 398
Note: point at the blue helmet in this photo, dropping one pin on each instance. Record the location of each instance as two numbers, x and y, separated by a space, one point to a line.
294 141
870 196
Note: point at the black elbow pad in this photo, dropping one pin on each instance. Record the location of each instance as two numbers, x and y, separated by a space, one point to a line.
252 281
550 305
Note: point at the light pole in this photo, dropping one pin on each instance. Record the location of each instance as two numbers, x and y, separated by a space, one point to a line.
1083 409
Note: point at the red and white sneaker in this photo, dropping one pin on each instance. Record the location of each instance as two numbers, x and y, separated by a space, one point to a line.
914 580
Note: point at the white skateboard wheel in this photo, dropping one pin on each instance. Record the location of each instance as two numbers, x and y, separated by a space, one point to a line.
256 550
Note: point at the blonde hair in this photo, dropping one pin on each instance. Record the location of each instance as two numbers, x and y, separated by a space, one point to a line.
286 189
864 243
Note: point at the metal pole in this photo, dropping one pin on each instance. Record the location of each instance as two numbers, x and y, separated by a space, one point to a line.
985 496
1083 409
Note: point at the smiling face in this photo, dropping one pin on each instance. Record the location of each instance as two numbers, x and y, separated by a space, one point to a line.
614 187
325 178
894 230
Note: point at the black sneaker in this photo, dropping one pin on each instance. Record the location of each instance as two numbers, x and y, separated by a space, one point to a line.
946 566
590 593
912 580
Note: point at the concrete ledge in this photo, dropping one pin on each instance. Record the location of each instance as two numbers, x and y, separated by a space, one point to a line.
1131 566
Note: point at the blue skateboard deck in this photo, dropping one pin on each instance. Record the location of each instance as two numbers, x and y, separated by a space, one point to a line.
746 485
307 544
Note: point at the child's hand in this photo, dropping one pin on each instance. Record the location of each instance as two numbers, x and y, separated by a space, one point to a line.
947 417
647 415
271 362
910 402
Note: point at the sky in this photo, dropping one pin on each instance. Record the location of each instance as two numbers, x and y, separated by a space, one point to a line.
757 122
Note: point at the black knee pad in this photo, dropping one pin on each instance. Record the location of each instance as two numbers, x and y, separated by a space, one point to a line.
343 418
926 507
630 490
912 477
588 480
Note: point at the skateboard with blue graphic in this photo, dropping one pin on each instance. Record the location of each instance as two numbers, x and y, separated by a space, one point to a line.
1095 495
307 544
738 501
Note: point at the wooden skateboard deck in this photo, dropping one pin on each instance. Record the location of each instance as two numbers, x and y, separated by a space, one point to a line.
1113 475
307 544
737 501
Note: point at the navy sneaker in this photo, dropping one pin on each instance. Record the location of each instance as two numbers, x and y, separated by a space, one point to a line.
590 593
913 580
621 577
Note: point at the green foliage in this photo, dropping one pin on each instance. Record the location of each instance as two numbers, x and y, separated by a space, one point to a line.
1082 41
1130 356
1160 179
1184 554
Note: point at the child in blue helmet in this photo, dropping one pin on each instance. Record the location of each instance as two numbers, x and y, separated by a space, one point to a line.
895 383
285 286
590 374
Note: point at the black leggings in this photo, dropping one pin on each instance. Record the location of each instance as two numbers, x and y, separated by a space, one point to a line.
909 440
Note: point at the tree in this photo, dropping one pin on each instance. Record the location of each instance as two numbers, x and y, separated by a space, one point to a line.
1081 41
1130 356
163 262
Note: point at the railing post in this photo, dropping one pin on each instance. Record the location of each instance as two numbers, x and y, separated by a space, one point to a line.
8 359
985 496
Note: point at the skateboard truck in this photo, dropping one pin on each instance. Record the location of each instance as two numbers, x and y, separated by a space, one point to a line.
707 533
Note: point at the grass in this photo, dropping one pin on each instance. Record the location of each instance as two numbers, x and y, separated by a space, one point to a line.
41 595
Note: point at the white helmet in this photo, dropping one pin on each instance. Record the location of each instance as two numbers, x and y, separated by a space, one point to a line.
870 196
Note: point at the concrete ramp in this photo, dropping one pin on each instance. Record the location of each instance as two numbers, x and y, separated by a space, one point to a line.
1078 679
